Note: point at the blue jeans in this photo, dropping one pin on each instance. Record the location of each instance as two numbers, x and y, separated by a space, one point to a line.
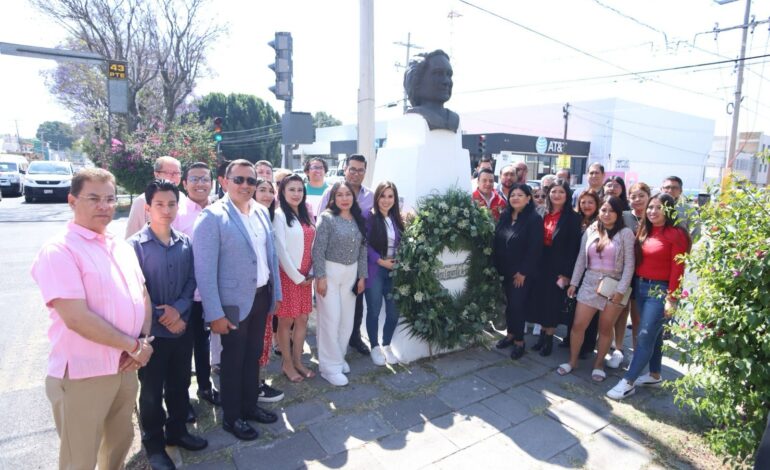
651 300
380 289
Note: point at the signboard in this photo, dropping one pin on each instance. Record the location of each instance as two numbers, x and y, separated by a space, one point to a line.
117 70
622 164
563 161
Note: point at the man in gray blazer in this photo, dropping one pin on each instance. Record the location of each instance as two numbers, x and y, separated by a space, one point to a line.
237 275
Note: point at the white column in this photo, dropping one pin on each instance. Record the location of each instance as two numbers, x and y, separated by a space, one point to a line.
366 89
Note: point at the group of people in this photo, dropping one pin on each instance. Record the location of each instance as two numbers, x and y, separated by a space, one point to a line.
212 280
209 278
610 251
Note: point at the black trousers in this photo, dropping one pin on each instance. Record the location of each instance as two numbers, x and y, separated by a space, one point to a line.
355 335
515 306
201 349
167 373
239 367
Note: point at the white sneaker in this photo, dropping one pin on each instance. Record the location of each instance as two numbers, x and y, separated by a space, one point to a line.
338 380
614 360
536 329
390 356
377 356
345 367
647 380
622 390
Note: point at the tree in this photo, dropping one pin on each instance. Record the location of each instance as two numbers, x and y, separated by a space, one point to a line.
251 127
164 44
322 119
58 134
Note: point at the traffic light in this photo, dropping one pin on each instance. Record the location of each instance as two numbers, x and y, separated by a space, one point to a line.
283 88
482 144
218 129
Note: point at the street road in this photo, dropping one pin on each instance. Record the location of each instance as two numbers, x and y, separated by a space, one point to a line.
27 434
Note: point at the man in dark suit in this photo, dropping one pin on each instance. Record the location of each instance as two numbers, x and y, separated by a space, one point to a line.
237 274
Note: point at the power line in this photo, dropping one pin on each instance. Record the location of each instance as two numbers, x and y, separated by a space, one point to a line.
619 75
628 17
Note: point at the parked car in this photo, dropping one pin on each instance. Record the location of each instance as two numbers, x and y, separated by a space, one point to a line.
48 180
12 171
334 175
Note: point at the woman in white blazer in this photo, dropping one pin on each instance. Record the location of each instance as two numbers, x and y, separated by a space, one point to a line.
294 234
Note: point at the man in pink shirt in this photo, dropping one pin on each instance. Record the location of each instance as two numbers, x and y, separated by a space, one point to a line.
93 287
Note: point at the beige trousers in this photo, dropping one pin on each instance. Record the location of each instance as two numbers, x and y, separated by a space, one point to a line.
93 419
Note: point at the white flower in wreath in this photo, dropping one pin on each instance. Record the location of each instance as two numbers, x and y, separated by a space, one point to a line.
403 290
443 205
454 211
445 220
466 212
462 223
418 297
487 251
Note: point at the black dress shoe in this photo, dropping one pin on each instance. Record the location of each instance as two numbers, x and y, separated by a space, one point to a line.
504 343
191 417
518 351
547 346
260 415
540 342
160 461
358 345
241 429
211 396
188 441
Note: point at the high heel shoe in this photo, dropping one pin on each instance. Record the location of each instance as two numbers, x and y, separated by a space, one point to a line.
540 342
547 348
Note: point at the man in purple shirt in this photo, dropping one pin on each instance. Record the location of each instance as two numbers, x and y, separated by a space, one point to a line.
166 258
355 170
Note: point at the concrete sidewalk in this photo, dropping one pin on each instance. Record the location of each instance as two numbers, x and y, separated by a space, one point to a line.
474 408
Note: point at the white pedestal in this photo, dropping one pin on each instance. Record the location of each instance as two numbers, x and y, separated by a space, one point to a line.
420 162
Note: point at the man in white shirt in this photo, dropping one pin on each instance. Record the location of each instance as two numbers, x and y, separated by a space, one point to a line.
167 168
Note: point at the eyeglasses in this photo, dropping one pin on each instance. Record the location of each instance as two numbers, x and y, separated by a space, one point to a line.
668 187
96 200
198 179
316 167
539 196
250 180
359 171
170 173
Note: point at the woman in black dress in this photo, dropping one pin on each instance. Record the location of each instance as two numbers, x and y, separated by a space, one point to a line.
517 249
560 245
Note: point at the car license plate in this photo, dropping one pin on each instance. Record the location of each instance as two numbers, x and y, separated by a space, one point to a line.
48 191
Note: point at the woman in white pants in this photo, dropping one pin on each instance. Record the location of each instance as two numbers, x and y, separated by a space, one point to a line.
339 266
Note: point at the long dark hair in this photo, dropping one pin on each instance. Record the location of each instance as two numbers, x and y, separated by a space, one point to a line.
301 214
505 217
605 236
623 194
564 185
271 207
378 233
355 209
672 220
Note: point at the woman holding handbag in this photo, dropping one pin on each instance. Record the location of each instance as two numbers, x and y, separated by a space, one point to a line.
339 266
605 264
660 242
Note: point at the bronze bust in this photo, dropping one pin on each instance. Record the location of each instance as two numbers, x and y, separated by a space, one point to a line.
428 85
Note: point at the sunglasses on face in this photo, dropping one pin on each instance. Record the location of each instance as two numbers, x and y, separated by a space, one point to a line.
250 180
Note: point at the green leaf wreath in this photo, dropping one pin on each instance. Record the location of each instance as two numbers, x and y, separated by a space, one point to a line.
450 220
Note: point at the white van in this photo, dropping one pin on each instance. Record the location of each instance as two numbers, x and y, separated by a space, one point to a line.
13 169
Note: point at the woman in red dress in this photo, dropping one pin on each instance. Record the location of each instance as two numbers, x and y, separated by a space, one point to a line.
294 233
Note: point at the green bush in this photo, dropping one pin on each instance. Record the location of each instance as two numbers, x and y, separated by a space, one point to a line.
723 323
132 162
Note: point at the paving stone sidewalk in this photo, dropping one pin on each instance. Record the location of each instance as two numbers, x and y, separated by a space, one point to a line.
470 409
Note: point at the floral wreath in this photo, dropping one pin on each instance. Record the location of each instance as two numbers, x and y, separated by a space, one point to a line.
450 220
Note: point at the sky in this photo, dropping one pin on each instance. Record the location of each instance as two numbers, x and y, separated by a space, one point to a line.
504 54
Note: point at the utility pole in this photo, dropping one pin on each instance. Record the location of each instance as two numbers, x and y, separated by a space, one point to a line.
452 15
730 157
18 139
366 88
408 44
565 110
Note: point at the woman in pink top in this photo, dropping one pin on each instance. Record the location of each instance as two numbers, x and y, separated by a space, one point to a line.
606 250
